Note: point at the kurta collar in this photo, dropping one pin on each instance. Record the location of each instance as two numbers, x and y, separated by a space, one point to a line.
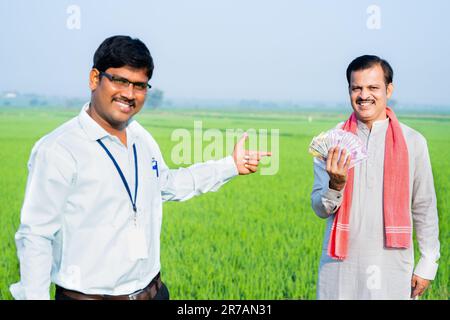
379 124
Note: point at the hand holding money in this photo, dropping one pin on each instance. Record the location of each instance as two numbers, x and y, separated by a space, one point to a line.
340 150
322 144
337 168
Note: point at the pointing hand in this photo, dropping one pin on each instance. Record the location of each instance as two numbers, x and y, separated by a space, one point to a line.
247 160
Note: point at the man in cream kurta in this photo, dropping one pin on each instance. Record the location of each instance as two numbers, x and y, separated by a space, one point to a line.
372 271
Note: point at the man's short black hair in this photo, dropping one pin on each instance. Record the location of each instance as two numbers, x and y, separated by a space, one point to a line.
120 51
367 62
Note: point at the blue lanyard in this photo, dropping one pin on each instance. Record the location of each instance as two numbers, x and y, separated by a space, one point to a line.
125 183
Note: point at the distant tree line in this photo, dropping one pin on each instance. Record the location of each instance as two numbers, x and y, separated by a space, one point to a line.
155 99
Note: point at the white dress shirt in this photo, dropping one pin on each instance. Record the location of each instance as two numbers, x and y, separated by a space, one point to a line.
77 216
372 271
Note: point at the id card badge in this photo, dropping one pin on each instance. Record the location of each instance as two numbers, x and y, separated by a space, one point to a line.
137 243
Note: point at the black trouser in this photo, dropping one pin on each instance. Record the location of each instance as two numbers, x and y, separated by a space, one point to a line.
162 294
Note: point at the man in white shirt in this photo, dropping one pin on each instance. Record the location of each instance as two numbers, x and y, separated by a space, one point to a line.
371 209
91 217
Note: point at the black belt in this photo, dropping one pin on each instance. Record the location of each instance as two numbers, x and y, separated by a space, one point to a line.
147 293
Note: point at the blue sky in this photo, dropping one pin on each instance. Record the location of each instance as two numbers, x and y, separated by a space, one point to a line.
232 49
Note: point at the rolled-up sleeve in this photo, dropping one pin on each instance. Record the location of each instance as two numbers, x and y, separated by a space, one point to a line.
324 201
424 214
51 173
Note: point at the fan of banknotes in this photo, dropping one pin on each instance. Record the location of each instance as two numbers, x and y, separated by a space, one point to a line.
337 137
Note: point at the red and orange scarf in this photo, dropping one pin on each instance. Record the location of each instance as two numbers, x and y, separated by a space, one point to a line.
397 222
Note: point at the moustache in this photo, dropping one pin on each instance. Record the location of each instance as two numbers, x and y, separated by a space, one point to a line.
366 100
130 102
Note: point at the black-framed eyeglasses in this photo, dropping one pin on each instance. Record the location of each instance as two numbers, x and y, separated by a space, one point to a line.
123 83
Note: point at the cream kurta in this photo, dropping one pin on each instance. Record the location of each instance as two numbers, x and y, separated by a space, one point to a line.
372 271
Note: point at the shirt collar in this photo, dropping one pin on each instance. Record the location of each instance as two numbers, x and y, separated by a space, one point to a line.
94 131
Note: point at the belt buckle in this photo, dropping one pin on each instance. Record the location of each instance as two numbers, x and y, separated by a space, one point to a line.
134 295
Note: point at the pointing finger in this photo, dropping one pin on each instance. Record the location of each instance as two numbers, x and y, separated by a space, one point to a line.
264 154
258 154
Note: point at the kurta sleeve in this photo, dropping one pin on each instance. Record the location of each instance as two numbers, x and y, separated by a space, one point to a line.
324 201
424 213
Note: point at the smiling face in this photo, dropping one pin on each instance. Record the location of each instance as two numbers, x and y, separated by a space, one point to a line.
112 106
369 94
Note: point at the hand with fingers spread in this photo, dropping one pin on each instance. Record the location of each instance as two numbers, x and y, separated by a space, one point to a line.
337 168
418 286
247 160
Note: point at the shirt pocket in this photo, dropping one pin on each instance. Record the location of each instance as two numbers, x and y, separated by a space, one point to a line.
150 175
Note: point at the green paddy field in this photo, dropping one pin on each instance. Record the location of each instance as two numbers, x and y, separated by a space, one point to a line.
257 237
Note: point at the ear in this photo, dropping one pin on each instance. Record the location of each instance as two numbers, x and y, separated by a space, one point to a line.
389 90
94 79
